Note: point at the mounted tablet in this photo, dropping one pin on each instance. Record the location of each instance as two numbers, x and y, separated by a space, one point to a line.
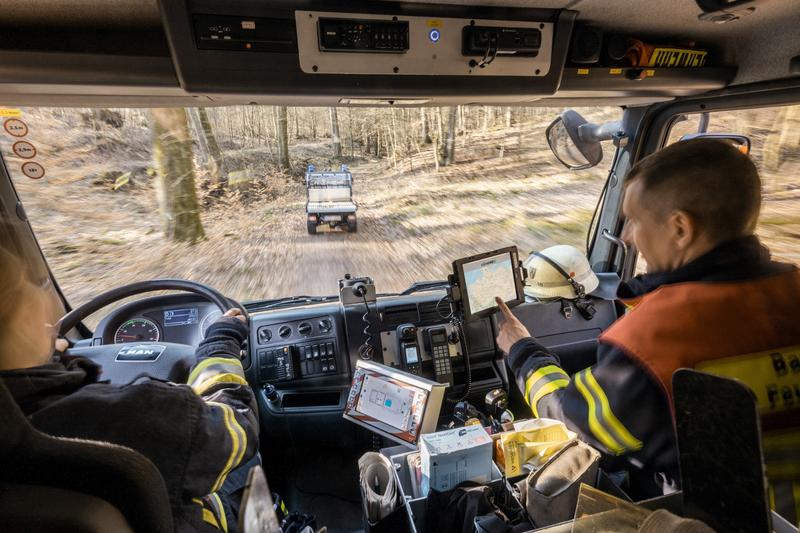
392 403
482 277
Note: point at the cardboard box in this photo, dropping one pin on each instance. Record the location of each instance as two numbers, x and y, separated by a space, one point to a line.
454 456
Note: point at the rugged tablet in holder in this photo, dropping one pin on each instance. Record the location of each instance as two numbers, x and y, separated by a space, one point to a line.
480 278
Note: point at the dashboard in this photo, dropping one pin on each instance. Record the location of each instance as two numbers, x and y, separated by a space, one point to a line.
300 358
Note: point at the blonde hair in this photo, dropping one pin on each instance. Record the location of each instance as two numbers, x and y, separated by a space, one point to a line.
18 347
13 283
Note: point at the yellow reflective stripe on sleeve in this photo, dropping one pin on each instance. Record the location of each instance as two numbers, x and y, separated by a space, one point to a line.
238 443
595 426
542 373
544 391
206 514
220 511
628 440
209 518
202 387
205 363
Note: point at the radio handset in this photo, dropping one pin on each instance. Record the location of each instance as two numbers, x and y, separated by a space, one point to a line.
408 348
439 348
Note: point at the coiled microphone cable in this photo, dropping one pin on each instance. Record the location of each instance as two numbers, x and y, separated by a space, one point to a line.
366 350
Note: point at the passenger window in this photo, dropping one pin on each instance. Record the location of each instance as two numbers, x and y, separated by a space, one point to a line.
429 185
774 133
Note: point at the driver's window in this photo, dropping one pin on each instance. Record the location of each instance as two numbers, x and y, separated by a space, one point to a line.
774 133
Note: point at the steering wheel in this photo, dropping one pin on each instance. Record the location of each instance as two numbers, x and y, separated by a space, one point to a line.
122 363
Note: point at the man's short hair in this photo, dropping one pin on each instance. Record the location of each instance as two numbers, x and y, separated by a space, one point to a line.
710 179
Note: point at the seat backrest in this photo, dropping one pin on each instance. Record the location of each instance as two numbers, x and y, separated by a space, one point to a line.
120 476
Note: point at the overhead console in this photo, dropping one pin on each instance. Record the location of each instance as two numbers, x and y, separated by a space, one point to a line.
352 43
370 50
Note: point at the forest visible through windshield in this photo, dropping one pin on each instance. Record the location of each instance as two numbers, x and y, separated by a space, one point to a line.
431 185
219 196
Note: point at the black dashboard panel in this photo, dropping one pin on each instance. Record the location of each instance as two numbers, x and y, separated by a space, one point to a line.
307 352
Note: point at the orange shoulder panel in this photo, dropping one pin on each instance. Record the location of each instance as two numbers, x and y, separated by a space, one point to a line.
684 324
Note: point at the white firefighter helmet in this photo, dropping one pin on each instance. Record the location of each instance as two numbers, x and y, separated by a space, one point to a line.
544 279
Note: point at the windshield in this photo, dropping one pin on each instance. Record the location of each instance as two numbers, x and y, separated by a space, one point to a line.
221 195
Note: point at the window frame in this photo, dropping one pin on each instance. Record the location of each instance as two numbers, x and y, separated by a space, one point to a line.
659 119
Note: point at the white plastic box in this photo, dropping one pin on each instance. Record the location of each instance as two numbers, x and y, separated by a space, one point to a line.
453 456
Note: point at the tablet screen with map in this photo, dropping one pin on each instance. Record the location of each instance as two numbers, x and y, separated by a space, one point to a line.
484 276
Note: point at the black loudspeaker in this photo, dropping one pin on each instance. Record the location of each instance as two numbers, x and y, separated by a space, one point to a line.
614 50
587 43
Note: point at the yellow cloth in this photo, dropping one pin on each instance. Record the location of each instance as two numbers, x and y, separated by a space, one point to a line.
532 441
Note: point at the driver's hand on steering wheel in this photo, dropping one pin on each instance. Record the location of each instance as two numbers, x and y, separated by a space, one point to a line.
511 329
61 345
236 313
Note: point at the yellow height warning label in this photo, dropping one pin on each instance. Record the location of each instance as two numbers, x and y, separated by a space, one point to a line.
8 112
434 23
677 57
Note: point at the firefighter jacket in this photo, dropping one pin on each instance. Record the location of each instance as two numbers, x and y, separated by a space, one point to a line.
710 314
195 433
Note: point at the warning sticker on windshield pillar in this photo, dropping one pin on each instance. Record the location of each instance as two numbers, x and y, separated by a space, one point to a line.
15 127
24 150
33 170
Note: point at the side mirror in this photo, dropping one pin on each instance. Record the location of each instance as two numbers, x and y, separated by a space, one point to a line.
742 142
575 142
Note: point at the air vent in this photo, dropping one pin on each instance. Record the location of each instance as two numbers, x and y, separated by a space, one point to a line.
401 314
429 314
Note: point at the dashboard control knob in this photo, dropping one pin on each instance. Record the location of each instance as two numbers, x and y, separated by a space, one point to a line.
453 337
325 325
304 329
285 331
264 335
271 392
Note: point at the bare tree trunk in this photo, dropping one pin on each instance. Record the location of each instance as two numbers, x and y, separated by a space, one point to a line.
337 142
485 124
508 117
450 142
217 167
177 198
350 131
282 123
394 139
204 156
437 141
423 117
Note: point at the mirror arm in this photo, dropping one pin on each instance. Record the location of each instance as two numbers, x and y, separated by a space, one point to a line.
592 133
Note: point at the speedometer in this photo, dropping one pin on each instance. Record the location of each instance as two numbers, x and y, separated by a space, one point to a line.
209 319
137 330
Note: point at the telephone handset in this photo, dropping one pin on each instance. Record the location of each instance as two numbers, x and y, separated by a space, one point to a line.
408 348
439 349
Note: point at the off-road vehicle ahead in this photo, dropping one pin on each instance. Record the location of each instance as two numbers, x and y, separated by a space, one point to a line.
329 200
